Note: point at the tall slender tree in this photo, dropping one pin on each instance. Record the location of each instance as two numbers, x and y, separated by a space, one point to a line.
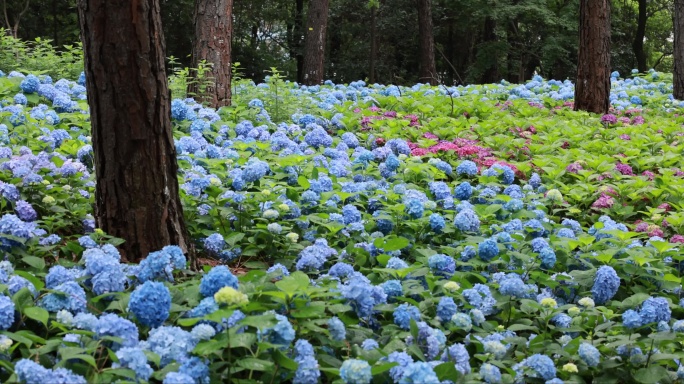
136 193
678 78
212 44
428 68
638 43
592 89
314 46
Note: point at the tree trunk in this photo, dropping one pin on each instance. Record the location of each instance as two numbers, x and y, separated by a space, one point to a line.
428 69
314 49
491 74
212 43
678 78
592 89
136 195
373 45
638 43
299 35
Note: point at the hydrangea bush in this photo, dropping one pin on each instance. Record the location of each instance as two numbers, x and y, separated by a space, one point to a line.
376 234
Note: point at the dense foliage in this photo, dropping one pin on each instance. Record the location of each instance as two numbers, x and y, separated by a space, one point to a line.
369 233
475 39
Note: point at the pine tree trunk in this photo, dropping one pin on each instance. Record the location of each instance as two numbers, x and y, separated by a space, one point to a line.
314 49
373 45
592 89
428 69
136 195
638 43
491 74
212 43
299 35
678 78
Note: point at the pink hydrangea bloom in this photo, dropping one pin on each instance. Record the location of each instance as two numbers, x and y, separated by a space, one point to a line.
574 168
605 201
624 169
677 239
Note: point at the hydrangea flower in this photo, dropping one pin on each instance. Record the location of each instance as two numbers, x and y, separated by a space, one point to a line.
136 360
403 315
217 278
355 371
337 330
589 354
150 303
606 284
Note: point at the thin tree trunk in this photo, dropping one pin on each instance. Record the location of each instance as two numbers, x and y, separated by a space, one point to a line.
678 78
299 36
428 68
314 49
212 43
136 195
374 45
592 89
491 74
638 43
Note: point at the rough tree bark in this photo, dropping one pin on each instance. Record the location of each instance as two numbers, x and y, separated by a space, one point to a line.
212 43
638 43
136 194
373 45
314 46
678 78
428 69
592 89
491 74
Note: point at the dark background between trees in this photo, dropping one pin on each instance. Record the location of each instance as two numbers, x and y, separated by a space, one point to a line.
474 40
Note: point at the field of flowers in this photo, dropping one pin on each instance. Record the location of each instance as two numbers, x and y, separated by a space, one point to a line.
363 233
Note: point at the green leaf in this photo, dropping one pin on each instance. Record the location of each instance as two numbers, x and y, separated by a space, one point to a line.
260 321
23 299
303 182
447 371
651 375
234 238
35 262
295 283
244 340
38 314
378 369
255 364
391 243
284 361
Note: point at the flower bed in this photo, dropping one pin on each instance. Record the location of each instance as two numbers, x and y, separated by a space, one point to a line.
376 234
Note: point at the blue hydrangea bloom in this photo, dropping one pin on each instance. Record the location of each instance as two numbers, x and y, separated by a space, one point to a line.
490 373
197 369
414 208
337 330
282 333
463 191
6 312
419 373
437 222
177 378
69 296
589 354
214 243
355 371
459 355
392 288
403 315
442 265
542 365
655 309
112 325
109 281
446 308
467 221
136 360
369 345
150 303
170 343
219 277
606 284
487 250
467 167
